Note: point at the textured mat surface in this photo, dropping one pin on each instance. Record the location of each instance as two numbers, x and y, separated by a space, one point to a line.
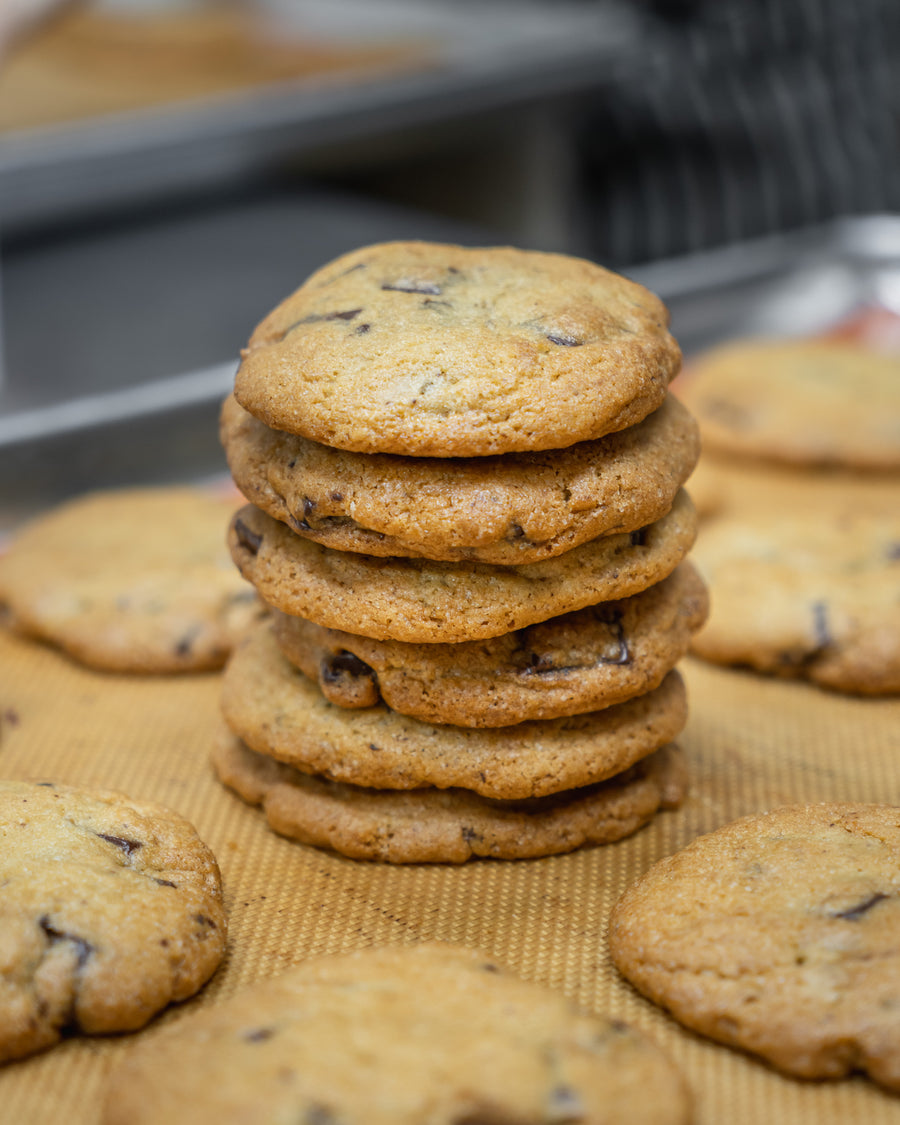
751 743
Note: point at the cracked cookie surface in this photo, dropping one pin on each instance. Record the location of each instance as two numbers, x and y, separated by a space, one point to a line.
448 825
348 1039
583 661
111 909
137 580
277 711
814 595
434 350
422 600
810 402
778 934
510 509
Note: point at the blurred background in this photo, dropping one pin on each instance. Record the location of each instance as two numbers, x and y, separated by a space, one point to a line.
169 169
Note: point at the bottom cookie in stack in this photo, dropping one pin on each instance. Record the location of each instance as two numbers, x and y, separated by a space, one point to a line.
374 783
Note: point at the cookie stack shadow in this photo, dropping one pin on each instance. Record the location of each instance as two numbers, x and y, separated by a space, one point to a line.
473 634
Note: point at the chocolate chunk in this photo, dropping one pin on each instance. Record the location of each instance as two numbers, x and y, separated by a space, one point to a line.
565 341
856 912
361 329
83 948
490 967
248 539
202 920
259 1034
404 285
469 834
337 497
620 654
516 531
318 318
129 847
343 663
166 883
638 537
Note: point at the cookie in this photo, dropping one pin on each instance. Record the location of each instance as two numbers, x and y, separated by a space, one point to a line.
422 600
111 909
137 580
431 350
812 593
778 934
512 509
811 402
448 825
277 711
583 661
397 1035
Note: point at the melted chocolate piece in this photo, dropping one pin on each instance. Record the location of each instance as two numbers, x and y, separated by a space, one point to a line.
129 847
565 341
248 539
427 288
638 537
343 663
856 912
318 318
83 948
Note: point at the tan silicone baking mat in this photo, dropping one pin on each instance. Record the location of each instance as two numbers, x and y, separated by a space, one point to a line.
751 743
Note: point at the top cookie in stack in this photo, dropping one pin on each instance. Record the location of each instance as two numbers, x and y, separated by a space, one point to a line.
465 475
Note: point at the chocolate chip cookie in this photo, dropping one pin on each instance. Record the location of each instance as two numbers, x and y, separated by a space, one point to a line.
137 580
111 909
277 711
582 661
512 509
448 825
812 594
432 350
813 402
778 934
397 1036
421 600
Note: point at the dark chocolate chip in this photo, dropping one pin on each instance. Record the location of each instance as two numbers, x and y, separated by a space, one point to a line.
318 318
612 615
309 506
361 329
427 288
259 1034
490 967
45 785
248 539
292 462
166 883
202 920
343 663
469 834
638 537
84 949
565 341
184 646
516 531
337 497
129 847
428 301
856 912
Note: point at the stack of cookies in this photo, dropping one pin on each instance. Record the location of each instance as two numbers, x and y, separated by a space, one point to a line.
466 513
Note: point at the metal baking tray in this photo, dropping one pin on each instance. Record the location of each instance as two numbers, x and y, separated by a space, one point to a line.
165 429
